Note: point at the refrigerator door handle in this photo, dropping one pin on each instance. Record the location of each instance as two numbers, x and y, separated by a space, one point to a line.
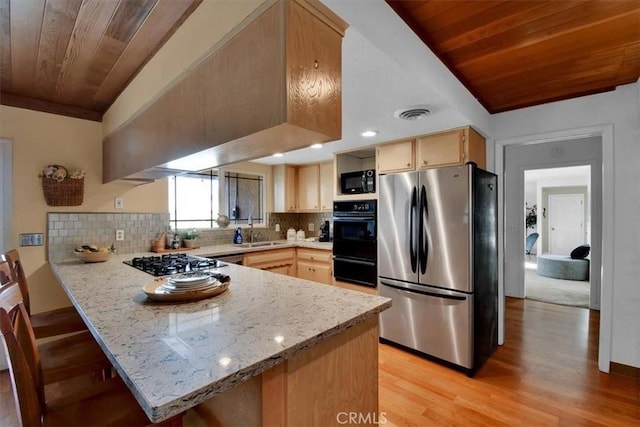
425 293
423 241
413 212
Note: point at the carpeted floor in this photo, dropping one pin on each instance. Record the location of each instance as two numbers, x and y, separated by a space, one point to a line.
555 291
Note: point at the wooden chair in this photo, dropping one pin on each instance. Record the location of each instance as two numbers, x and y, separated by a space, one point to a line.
62 358
49 323
105 403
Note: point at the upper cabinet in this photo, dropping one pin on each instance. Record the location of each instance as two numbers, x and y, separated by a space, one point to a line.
285 188
327 186
454 147
306 188
451 148
274 85
398 156
309 188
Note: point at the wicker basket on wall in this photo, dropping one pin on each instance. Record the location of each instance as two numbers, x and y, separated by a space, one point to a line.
68 192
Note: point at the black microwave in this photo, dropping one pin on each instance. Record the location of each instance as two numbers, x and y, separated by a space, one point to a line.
358 182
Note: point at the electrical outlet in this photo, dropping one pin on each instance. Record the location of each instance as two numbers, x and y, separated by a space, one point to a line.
119 235
119 203
30 239
312 226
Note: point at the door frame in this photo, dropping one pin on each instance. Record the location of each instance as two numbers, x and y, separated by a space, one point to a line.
607 250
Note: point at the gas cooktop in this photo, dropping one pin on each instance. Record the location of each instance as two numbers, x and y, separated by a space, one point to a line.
168 264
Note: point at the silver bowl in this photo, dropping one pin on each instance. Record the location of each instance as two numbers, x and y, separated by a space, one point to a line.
223 221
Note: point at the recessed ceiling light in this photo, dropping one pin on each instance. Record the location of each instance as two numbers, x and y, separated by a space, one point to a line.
316 146
278 154
369 133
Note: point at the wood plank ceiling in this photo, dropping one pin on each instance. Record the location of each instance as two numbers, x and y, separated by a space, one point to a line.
513 54
74 57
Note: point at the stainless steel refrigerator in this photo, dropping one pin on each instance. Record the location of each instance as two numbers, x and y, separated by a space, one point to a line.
438 261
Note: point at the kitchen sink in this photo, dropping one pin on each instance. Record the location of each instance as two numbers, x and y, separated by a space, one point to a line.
260 244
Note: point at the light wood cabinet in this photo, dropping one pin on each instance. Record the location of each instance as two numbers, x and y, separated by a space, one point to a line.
285 187
281 261
451 148
397 156
308 187
315 265
327 184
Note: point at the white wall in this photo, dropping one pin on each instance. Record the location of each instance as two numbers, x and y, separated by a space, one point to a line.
621 109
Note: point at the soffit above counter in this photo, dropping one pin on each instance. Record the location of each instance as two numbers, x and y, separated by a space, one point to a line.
274 86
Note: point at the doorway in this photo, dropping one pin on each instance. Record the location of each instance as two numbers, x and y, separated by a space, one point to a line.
558 214
510 210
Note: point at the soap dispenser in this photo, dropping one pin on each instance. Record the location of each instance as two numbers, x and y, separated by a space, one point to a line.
237 238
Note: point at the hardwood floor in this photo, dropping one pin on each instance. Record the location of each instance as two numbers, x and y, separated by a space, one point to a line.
545 374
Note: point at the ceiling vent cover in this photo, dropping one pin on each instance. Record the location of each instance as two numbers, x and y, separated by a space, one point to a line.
412 113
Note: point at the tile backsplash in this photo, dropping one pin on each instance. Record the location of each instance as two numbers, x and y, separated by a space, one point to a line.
299 221
66 231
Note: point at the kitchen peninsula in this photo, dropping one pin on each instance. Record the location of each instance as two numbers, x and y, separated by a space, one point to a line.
271 350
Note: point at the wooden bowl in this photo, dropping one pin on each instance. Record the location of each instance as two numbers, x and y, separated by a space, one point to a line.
93 256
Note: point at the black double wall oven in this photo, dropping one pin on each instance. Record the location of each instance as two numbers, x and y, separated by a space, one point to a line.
355 242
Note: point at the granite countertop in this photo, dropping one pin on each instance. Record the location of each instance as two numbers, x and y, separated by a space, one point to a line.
174 356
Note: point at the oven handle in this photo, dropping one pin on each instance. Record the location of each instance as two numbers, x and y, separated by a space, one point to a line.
353 218
353 261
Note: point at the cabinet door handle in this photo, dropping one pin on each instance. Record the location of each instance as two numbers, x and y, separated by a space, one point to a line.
424 162
408 164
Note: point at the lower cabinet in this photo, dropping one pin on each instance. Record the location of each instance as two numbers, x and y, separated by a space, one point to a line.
281 261
304 263
315 264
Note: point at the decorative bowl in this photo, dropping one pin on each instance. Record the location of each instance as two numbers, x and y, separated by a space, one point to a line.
88 256
223 221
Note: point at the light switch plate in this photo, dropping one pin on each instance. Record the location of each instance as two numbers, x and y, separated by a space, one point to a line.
119 203
311 226
30 239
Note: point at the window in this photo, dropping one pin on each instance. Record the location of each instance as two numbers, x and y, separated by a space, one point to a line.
196 199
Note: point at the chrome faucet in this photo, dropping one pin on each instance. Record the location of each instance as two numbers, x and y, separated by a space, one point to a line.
250 229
